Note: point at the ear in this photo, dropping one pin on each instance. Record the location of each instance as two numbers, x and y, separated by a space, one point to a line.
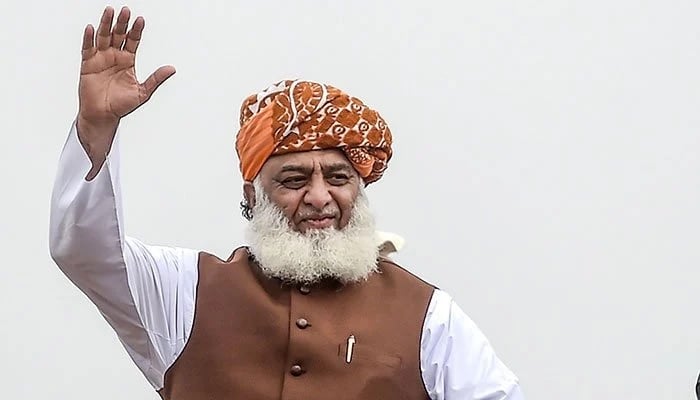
249 193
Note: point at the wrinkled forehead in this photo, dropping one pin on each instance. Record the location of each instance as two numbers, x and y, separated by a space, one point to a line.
309 161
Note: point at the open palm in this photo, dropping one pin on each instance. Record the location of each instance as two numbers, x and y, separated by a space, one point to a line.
109 88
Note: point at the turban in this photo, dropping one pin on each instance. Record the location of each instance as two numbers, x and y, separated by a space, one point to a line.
294 116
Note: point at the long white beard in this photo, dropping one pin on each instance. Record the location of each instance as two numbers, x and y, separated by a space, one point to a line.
348 255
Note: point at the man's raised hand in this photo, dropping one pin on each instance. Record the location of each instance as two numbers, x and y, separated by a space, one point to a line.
108 88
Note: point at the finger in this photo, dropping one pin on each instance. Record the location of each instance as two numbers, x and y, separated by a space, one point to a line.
104 31
119 31
133 38
88 42
155 80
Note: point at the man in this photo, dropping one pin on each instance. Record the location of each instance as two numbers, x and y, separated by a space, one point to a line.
310 308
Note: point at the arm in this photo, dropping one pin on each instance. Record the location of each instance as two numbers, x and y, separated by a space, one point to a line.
145 293
457 361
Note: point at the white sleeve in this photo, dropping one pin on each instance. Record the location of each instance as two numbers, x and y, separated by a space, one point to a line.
146 293
457 361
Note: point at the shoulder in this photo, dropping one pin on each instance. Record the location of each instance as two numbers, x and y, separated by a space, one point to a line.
210 264
451 343
446 320
391 268
238 254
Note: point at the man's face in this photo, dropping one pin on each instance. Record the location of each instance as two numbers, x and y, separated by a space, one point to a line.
314 189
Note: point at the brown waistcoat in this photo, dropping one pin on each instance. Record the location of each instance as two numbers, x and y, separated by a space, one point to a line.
254 338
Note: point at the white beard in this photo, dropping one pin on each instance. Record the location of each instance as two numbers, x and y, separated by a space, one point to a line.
347 255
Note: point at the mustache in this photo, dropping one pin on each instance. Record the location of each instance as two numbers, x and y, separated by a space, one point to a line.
316 215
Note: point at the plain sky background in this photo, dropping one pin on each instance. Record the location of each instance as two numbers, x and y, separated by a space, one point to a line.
546 172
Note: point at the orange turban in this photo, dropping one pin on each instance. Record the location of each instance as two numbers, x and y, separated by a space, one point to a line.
294 115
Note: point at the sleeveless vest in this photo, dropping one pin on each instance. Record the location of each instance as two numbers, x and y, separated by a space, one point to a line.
260 339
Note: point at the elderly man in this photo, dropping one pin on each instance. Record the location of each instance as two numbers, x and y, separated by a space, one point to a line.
310 308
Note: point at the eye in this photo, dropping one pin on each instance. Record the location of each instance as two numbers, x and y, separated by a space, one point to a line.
294 182
338 179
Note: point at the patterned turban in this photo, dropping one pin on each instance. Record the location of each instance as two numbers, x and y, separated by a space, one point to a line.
294 116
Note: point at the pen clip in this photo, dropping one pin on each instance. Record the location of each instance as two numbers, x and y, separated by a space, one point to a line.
349 349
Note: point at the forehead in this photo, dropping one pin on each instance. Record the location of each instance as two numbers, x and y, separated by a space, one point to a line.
306 159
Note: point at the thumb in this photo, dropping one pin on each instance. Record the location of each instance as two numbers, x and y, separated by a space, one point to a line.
149 86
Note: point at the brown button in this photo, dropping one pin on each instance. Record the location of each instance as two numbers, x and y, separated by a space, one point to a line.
305 289
302 323
296 370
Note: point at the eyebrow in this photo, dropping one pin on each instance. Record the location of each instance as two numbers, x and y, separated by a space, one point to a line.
295 168
337 167
327 169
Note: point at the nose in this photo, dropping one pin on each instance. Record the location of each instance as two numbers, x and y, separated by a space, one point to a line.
318 196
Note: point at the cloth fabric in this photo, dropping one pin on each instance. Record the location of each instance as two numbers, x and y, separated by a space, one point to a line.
293 340
147 293
297 115
389 243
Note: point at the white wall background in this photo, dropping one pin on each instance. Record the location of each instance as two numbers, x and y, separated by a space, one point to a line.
546 172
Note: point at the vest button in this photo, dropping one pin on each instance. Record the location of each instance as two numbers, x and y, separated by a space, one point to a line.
302 323
304 289
296 370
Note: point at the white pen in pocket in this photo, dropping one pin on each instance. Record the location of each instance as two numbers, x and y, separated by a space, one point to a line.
349 349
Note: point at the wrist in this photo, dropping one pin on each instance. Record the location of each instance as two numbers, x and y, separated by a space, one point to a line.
96 126
96 138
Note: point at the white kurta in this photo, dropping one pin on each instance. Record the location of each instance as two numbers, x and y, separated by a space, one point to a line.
147 293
